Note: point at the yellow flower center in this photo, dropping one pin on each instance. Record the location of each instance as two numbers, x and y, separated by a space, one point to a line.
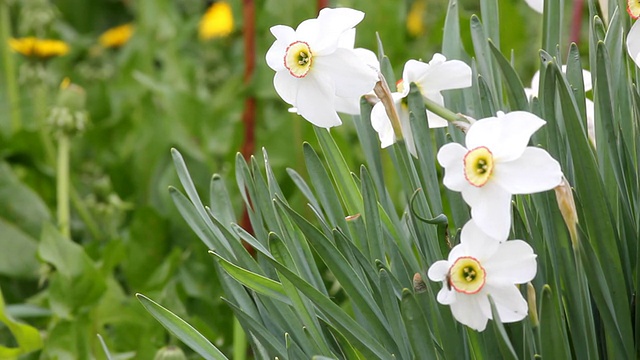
633 8
478 166
298 59
466 275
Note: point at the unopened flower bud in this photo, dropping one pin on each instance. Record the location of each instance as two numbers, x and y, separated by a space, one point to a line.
170 353
567 207
533 309
419 285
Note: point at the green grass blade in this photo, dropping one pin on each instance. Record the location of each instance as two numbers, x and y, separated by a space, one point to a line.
181 329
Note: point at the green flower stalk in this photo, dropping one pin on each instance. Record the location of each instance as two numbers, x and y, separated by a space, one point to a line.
9 66
67 119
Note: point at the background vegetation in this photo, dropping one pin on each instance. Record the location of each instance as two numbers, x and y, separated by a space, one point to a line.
164 88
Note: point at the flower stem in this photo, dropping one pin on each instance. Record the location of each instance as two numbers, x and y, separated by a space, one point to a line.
444 113
62 184
9 67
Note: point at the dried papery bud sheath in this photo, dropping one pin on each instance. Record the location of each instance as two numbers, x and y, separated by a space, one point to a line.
419 286
533 308
567 207
384 94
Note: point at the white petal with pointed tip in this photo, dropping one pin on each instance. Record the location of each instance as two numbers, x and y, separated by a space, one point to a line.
534 171
490 209
514 262
469 311
450 156
506 136
315 102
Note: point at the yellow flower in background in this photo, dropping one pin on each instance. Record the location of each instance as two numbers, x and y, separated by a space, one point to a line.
415 25
216 22
633 8
116 36
39 48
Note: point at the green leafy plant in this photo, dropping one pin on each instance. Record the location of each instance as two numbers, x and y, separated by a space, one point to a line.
344 277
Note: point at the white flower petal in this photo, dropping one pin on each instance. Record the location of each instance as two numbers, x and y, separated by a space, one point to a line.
315 101
435 121
510 304
346 105
591 120
350 76
446 296
535 84
310 31
633 43
533 172
438 270
452 74
348 39
468 311
275 55
332 24
286 86
450 156
537 5
479 245
514 262
490 209
506 136
381 123
368 57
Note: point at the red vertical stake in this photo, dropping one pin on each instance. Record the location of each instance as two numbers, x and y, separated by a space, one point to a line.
576 21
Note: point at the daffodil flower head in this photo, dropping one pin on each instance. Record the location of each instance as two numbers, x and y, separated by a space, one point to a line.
317 69
633 42
479 267
495 164
633 8
431 78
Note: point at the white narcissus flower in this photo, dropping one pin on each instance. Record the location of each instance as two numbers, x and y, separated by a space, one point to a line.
317 70
633 42
589 105
537 5
432 78
495 164
481 266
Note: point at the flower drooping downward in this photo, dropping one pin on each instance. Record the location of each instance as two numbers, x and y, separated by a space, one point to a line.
317 69
495 164
479 267
431 78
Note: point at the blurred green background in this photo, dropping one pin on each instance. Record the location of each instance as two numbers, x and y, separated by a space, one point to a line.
163 88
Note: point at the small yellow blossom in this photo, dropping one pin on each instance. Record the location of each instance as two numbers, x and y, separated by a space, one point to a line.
415 25
633 8
217 21
39 48
116 36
